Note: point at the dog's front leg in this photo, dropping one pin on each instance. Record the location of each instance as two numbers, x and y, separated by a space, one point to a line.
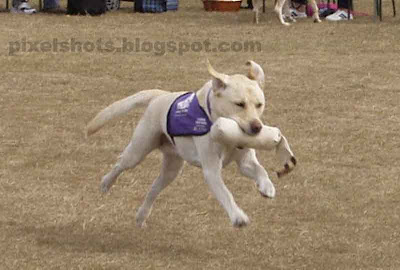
279 10
256 17
256 11
212 175
250 167
210 157
286 156
315 11
286 11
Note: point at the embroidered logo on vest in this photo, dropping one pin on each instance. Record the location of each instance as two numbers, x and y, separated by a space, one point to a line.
187 118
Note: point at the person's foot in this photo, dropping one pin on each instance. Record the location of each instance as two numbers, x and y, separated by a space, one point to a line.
24 8
339 15
297 14
112 5
247 7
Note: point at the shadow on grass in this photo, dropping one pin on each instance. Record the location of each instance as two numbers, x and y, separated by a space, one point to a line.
72 237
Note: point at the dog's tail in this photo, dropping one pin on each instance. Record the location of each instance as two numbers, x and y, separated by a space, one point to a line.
121 107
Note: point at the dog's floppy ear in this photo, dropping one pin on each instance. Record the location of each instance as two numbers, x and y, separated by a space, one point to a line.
219 80
256 73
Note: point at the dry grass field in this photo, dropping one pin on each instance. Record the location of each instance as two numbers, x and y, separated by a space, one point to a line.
332 88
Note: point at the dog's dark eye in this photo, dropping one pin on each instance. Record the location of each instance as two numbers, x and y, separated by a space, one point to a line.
259 105
240 104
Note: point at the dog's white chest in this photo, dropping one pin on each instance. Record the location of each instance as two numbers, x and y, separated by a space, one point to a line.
187 150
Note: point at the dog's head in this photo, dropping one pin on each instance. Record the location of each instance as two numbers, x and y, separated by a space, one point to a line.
240 97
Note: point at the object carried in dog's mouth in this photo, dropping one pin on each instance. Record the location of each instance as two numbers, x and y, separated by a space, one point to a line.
227 131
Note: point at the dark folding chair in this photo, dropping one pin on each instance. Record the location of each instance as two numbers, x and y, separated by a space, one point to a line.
378 9
349 8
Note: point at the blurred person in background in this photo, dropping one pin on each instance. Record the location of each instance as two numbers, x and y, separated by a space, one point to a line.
342 12
22 6
52 6
298 9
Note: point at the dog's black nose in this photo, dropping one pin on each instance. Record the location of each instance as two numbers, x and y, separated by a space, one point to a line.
255 127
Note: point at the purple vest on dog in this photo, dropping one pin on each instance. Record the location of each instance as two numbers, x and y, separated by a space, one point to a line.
187 118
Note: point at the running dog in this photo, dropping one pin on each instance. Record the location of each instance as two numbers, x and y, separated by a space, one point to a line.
179 124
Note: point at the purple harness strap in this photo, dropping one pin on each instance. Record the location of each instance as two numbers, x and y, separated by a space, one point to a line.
187 118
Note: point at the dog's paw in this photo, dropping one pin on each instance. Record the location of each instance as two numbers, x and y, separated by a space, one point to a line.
240 219
266 189
141 217
141 224
104 187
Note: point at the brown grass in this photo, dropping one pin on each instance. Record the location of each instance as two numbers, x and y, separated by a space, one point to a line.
332 88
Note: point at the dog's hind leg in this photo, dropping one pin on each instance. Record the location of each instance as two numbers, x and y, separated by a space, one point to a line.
143 142
251 168
172 165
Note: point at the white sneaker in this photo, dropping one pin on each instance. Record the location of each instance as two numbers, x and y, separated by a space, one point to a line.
23 8
296 14
339 15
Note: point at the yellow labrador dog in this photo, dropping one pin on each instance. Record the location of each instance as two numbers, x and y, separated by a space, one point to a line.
239 98
281 9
